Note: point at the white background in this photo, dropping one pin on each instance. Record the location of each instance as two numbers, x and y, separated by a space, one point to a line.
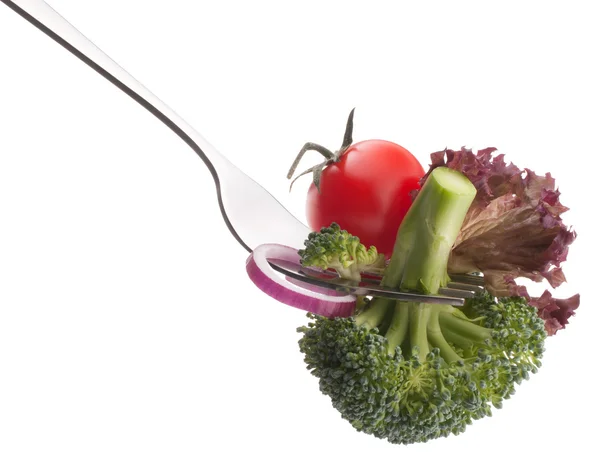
131 340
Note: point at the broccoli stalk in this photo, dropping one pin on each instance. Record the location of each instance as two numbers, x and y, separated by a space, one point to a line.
419 263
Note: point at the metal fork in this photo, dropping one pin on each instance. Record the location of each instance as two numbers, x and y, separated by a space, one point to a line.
251 213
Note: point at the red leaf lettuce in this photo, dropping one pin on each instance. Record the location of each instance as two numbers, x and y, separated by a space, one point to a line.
513 229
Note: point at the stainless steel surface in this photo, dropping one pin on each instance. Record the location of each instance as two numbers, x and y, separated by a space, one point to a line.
468 278
457 286
372 287
252 214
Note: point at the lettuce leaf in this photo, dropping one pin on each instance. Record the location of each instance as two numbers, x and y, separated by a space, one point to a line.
513 229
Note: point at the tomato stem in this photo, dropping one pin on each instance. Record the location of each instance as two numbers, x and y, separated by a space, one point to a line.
328 154
330 157
348 133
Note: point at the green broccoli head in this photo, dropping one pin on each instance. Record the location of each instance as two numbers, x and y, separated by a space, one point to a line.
407 371
335 248
383 385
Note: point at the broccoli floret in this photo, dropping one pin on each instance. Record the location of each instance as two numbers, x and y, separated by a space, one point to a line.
335 248
410 372
473 365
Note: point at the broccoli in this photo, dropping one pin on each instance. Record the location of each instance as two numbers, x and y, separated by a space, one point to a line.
335 248
412 372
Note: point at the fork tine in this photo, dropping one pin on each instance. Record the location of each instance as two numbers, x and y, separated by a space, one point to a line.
457 293
465 286
470 278
454 293
453 289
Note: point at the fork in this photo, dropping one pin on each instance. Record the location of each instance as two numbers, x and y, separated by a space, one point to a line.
251 213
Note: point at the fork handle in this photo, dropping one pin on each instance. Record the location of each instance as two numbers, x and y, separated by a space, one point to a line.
46 19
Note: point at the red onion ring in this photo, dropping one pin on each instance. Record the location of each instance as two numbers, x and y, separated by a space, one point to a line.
271 282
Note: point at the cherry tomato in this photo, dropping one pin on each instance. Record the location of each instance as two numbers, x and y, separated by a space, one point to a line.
366 192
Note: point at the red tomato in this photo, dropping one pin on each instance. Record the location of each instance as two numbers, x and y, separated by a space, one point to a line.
366 192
